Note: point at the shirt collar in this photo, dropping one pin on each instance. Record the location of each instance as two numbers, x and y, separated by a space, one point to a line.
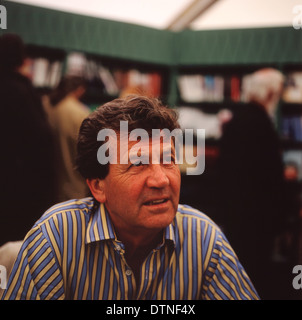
169 234
100 227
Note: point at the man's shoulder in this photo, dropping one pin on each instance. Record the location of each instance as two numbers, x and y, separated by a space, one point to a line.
67 209
185 211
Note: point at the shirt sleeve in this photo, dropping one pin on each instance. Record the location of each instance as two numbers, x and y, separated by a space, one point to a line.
225 277
36 273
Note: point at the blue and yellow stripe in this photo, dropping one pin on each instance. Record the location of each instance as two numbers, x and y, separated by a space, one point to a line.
72 252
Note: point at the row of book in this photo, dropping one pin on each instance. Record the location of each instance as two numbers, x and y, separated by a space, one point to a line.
47 74
216 88
43 72
193 88
198 88
209 88
291 128
114 81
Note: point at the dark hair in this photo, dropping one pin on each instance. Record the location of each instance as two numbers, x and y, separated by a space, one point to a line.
12 51
66 85
140 112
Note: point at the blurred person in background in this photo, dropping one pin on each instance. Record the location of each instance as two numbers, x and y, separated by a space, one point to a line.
250 174
65 114
26 143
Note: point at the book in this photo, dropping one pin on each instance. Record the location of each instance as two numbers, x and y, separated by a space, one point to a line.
40 72
293 160
293 88
235 89
291 128
54 74
200 88
190 87
108 80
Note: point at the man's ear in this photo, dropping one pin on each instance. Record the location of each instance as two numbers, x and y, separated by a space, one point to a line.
96 187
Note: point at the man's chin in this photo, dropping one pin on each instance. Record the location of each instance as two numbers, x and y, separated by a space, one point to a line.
159 221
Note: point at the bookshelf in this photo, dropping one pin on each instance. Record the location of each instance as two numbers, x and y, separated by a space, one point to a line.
231 54
291 123
139 54
211 89
106 78
291 107
110 78
126 55
206 86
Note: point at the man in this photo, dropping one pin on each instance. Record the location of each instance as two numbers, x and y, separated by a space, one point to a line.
131 240
250 175
65 114
27 160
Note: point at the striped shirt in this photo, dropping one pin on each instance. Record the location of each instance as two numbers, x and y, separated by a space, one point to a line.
72 252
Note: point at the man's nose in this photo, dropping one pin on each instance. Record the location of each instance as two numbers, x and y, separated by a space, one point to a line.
157 177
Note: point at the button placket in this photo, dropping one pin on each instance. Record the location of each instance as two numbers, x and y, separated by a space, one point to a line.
118 247
120 251
128 272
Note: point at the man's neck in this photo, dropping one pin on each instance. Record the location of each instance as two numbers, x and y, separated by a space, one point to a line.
144 242
138 248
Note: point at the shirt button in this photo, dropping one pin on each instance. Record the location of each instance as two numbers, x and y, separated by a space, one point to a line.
128 272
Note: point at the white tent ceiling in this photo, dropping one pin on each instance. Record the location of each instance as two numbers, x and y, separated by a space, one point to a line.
163 14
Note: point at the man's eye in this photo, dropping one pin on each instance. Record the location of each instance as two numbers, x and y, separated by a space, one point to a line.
136 164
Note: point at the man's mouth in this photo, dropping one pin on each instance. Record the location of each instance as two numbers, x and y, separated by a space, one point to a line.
155 202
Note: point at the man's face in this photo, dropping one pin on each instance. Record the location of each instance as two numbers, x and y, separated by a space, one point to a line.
143 196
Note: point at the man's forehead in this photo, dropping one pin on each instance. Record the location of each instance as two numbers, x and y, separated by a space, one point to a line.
149 145
151 149
164 141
